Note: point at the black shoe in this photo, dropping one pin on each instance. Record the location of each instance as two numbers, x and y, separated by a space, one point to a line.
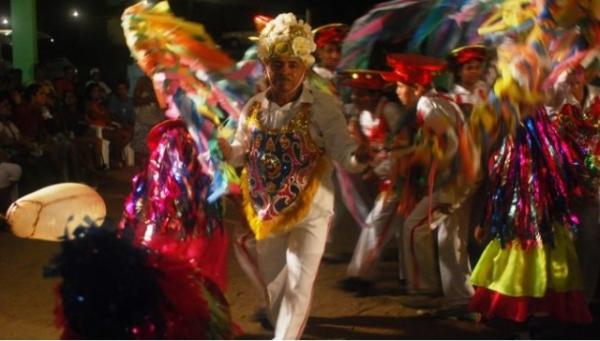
260 316
365 288
360 286
349 284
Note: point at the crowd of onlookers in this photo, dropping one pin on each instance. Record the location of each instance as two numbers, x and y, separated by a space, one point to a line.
65 129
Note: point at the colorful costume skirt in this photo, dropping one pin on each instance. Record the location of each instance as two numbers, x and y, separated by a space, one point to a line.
530 267
515 283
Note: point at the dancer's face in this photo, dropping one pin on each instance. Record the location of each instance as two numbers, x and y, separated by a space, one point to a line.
409 94
329 56
471 72
285 75
578 91
365 99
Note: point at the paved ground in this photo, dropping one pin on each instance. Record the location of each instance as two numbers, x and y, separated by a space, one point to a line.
27 299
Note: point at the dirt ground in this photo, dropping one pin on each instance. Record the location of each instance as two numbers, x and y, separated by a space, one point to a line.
27 299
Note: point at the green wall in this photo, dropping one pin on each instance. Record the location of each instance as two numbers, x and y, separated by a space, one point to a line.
24 36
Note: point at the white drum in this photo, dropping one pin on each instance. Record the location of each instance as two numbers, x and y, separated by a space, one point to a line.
51 211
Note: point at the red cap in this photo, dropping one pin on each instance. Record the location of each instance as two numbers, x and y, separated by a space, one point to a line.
465 54
331 33
260 21
412 68
366 79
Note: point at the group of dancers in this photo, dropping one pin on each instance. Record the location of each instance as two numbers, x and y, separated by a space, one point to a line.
503 159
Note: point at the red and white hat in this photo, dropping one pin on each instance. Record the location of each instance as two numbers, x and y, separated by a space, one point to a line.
465 54
413 68
365 79
330 34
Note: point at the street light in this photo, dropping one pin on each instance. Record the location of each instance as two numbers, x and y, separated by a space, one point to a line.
75 13
4 21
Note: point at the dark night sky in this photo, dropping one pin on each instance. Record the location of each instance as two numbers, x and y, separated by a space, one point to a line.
216 14
87 41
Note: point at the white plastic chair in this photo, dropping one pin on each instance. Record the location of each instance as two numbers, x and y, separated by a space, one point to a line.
105 146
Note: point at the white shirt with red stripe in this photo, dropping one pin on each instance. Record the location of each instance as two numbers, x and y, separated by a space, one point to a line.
462 95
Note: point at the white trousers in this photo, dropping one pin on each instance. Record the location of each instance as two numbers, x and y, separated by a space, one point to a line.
285 266
381 224
289 264
455 267
447 272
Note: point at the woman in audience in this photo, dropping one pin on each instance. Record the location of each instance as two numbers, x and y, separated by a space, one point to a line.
102 120
89 146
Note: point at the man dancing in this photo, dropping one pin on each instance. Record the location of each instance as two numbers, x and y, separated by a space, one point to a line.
286 139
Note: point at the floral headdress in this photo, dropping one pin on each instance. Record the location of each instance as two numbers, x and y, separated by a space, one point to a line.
286 36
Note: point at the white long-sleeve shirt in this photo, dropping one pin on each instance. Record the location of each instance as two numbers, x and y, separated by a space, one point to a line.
443 116
327 126
327 129
440 115
462 95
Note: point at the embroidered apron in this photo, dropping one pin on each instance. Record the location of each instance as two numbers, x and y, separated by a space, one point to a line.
282 173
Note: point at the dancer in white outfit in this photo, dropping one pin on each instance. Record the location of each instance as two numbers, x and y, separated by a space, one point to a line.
380 124
439 219
468 64
286 140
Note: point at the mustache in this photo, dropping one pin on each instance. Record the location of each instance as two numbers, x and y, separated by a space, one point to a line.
282 78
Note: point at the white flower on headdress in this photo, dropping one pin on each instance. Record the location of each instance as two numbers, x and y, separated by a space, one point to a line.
286 36
288 19
304 47
301 46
